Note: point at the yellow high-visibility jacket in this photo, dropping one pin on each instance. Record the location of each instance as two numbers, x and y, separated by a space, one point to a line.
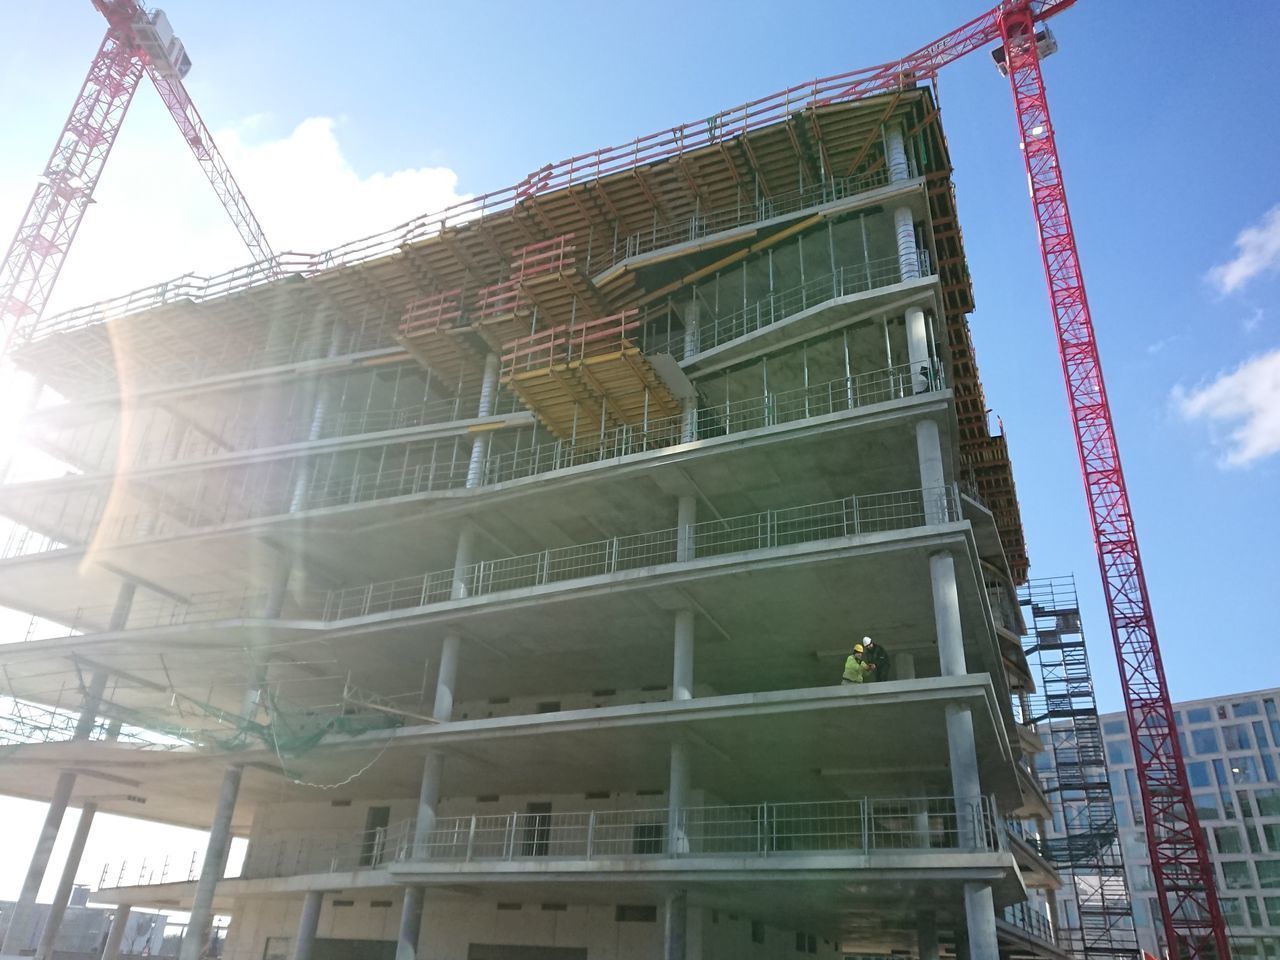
854 671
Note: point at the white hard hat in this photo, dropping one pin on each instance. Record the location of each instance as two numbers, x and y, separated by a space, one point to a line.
867 640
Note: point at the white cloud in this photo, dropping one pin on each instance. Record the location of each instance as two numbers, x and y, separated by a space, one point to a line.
156 217
1248 401
1257 251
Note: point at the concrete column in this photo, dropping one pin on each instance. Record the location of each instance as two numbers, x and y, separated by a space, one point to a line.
480 445
689 420
410 924
124 603
904 229
119 922
966 786
462 560
980 918
691 318
896 155
52 821
446 678
277 593
927 935
682 660
308 923
196 937
678 798
904 666
677 921
58 909
315 429
919 362
946 614
686 517
933 482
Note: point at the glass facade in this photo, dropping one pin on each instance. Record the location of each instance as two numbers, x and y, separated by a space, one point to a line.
1232 752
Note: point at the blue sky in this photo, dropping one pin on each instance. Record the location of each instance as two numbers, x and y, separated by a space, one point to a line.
341 120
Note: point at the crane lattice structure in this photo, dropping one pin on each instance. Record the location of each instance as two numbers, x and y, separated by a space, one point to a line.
1086 845
138 41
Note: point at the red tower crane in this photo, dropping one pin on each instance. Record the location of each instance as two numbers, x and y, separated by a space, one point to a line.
137 41
1183 873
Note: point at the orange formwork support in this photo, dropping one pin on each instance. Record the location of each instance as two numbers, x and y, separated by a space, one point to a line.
545 277
433 331
582 379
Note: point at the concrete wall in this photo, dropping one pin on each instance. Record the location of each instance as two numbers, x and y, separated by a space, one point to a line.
450 925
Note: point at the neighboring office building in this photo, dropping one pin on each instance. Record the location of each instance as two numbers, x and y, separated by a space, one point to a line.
1231 746
495 576
83 931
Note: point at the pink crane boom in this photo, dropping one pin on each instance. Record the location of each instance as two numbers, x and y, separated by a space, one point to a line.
137 41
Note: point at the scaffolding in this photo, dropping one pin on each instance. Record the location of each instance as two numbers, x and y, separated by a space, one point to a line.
1096 919
584 379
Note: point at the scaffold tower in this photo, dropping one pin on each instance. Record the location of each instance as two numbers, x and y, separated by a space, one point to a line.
1095 909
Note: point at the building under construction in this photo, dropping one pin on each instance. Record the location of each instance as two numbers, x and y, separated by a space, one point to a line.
495 576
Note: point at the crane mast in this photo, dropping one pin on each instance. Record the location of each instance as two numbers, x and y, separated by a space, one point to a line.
137 41
1180 864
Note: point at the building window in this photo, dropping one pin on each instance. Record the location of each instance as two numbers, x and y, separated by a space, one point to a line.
1260 734
1255 915
1273 910
1231 911
1204 740
1272 832
1246 708
1227 840
1244 769
1235 736
1206 806
635 913
1113 727
1199 715
1118 751
1268 873
1235 875
1198 774
1268 802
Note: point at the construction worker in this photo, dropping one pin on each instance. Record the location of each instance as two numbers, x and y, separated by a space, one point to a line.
855 667
877 660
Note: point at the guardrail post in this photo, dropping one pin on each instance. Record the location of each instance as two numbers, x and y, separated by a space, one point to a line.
471 838
866 825
591 831
509 837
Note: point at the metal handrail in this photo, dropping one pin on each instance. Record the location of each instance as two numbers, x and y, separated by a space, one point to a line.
846 281
770 529
863 826
669 142
270 493
700 225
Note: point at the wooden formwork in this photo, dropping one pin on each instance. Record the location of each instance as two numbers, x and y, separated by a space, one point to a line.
583 379
433 332
545 288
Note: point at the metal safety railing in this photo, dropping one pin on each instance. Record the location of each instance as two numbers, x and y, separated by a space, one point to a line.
1029 920
864 826
849 516
444 465
669 142
700 225
713 330
769 529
